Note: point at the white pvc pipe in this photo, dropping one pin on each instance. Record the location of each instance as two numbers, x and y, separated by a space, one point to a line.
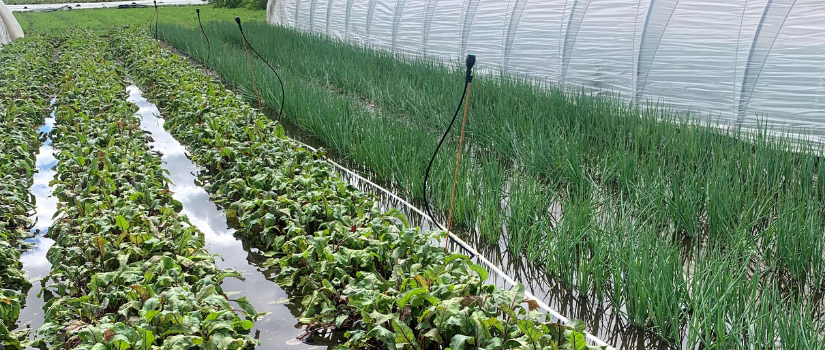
564 320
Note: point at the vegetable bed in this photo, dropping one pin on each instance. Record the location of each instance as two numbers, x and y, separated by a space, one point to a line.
354 267
24 89
128 272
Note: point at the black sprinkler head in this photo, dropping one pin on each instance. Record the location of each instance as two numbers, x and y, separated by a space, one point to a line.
471 61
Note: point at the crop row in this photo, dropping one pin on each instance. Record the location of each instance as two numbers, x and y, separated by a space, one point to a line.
23 104
652 210
354 267
128 271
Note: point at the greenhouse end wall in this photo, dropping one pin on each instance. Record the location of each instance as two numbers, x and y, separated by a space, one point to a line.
9 28
741 61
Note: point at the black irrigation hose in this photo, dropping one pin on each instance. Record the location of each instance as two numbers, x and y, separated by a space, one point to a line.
283 93
208 45
443 137
156 19
471 60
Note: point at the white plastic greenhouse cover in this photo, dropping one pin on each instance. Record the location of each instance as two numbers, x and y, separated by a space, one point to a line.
737 60
9 28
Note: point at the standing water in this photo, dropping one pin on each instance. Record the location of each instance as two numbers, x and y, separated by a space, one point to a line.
279 329
35 264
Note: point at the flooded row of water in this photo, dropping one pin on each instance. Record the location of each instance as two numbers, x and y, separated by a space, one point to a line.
34 260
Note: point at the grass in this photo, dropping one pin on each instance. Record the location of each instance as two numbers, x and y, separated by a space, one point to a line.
101 20
694 232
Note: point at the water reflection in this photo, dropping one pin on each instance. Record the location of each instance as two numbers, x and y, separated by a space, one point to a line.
35 264
279 329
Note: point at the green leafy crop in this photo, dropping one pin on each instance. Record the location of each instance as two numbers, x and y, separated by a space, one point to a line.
128 271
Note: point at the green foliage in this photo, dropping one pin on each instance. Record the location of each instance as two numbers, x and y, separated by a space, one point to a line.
355 266
248 4
255 4
128 271
226 3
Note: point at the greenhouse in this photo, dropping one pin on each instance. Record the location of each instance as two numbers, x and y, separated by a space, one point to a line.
739 61
412 175
9 28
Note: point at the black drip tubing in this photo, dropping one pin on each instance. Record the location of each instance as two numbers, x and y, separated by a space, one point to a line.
208 45
156 19
471 60
283 93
